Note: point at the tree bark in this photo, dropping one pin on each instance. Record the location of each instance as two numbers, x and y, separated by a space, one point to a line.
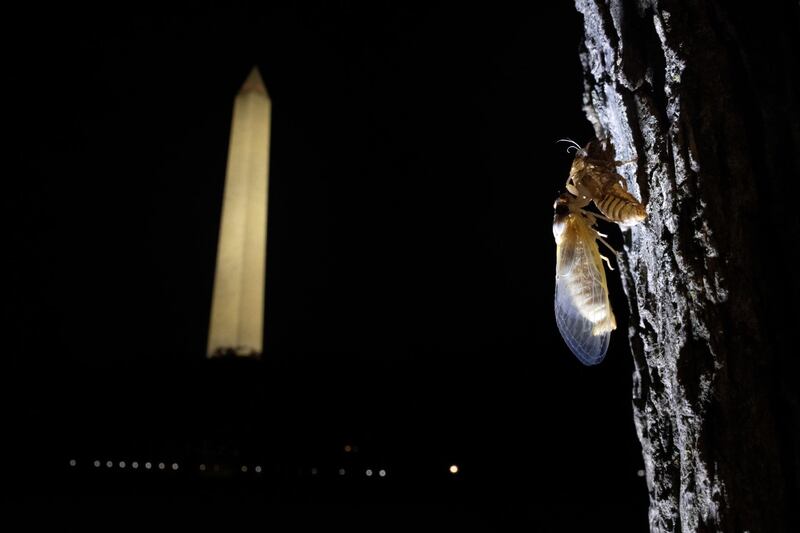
704 95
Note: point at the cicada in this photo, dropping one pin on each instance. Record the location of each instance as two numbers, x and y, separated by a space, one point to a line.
583 311
595 178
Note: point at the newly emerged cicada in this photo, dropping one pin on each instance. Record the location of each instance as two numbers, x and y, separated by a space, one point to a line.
583 312
595 178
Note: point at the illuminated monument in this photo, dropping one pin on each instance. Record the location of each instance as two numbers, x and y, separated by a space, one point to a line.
237 307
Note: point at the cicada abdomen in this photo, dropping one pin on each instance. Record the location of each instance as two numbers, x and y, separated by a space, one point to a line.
620 206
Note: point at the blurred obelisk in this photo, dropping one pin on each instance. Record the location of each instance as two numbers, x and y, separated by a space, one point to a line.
237 307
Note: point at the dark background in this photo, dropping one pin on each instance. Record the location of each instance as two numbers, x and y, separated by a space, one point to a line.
410 268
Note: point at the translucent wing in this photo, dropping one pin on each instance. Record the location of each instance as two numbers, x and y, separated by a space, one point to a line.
577 330
583 312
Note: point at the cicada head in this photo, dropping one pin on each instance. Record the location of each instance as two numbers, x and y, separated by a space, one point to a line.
562 210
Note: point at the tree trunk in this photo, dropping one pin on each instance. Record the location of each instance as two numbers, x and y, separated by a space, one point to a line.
705 96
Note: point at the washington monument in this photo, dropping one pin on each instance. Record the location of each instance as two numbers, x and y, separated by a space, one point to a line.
237 307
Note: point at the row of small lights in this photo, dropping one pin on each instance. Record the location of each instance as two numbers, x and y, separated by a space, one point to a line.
368 472
453 469
148 465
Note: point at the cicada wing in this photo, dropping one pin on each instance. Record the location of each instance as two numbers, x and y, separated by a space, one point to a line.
576 329
583 313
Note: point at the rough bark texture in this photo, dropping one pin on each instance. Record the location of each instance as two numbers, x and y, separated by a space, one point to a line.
705 96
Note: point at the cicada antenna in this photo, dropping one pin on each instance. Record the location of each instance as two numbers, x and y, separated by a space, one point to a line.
573 144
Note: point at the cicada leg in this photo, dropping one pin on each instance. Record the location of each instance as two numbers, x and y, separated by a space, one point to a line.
572 189
605 243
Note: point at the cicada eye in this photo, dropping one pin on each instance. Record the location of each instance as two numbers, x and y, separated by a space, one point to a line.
561 208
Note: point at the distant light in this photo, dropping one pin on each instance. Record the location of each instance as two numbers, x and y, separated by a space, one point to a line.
147 465
244 468
382 472
640 473
314 471
342 471
174 466
161 466
257 469
348 448
73 462
454 469
202 468
109 464
135 465
96 464
122 464
369 472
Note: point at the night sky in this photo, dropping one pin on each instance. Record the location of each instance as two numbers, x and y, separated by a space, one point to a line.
409 306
